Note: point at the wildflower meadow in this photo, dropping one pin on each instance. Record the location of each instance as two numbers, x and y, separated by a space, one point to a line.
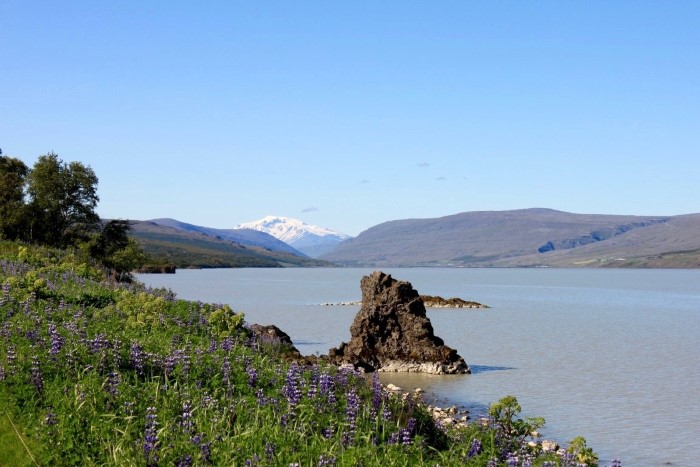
97 372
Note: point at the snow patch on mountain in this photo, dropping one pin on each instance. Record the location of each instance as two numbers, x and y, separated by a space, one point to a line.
311 240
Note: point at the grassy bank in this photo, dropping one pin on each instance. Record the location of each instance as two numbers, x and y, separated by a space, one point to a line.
96 372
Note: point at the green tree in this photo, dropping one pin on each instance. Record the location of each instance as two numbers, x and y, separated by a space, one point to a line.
62 202
13 175
115 250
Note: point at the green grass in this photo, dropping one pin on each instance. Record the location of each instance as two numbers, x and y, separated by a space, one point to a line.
16 449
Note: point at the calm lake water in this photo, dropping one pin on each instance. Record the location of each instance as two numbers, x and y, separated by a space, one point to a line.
611 355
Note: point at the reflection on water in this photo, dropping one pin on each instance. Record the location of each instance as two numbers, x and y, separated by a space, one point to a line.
476 369
611 355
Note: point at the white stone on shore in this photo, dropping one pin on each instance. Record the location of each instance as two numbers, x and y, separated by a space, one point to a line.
549 446
393 387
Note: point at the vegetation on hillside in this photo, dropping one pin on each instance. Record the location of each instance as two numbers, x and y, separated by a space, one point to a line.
93 371
53 204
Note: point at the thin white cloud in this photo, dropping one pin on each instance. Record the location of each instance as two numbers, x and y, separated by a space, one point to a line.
441 179
423 164
310 209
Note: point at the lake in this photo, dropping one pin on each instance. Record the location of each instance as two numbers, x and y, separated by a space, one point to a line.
611 355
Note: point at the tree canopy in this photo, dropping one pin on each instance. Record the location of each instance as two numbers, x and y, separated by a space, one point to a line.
13 175
53 204
62 201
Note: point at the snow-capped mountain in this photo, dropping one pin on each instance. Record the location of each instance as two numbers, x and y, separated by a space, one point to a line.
311 240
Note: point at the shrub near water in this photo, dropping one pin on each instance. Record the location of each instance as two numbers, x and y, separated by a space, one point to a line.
100 373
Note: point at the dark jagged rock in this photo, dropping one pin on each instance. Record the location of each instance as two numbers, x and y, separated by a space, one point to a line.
273 336
391 332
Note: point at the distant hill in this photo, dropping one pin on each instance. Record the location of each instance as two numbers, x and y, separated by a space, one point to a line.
247 237
311 240
189 247
527 238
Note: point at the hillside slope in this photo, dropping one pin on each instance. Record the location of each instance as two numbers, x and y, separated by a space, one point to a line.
193 249
526 238
247 237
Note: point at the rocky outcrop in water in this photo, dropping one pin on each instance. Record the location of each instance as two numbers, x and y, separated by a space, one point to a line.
391 332
431 301
274 338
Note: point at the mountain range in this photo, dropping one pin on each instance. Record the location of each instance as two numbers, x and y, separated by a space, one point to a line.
527 238
534 237
311 240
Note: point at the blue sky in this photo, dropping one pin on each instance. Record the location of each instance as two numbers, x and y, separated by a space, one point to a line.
349 114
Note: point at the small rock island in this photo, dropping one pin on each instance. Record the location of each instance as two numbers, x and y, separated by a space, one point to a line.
391 332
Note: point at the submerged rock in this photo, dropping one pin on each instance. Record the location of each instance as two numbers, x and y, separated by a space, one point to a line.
391 332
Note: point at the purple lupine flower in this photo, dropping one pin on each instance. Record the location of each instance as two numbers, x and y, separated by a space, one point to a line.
55 339
352 406
260 396
205 449
136 357
406 434
226 370
291 387
6 294
313 383
2 373
475 448
169 364
284 421
270 451
11 358
326 383
252 376
98 343
150 442
327 432
36 378
50 419
213 346
324 461
186 420
186 462
512 460
568 460
185 362
616 463
386 414
493 462
112 384
28 303
526 460
377 394
199 353
227 344
32 336
116 352
393 439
